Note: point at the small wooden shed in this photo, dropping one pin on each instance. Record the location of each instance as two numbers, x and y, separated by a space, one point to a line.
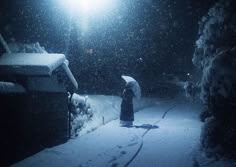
33 103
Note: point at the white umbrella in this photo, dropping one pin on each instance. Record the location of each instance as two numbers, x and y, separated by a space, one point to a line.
134 85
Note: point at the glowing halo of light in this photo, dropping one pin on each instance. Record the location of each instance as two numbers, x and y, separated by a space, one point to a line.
89 7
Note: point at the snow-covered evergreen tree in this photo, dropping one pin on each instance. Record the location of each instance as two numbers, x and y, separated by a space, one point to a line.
215 55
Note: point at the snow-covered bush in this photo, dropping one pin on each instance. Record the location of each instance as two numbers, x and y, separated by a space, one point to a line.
215 55
81 112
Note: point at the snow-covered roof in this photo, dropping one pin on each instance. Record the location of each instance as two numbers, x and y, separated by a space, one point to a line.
30 63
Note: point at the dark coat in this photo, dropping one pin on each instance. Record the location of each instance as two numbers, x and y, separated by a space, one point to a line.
127 111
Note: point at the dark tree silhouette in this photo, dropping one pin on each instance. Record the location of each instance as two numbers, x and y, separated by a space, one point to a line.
215 55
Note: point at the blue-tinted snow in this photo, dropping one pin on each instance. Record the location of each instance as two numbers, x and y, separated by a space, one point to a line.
173 141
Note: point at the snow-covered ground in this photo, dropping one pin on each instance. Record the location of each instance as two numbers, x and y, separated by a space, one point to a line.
107 108
165 133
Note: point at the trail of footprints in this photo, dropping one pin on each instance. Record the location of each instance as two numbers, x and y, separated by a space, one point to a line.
114 162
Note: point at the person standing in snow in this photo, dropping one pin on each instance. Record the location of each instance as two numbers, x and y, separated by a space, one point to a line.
127 111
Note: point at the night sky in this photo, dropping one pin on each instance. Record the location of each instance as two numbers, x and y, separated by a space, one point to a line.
150 40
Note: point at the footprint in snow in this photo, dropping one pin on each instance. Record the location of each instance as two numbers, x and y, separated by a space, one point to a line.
113 159
119 146
114 164
123 152
132 144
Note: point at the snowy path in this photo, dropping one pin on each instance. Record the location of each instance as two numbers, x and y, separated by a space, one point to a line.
175 141
169 142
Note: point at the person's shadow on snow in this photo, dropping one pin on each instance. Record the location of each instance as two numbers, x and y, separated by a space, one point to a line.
146 126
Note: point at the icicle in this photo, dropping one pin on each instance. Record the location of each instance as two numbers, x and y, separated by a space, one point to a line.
4 44
69 73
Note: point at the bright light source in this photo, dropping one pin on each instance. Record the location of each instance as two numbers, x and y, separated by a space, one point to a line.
89 7
86 12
